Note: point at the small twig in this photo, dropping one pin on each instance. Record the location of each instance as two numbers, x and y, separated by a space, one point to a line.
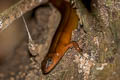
31 45
14 12
28 32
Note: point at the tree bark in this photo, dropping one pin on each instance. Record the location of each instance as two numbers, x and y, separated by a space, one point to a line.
16 11
101 24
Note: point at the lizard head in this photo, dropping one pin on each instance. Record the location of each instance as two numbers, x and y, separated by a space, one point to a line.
49 63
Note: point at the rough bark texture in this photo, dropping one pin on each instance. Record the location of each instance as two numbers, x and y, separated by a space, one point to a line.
101 24
15 11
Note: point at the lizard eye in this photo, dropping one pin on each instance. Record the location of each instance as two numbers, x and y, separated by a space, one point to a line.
49 62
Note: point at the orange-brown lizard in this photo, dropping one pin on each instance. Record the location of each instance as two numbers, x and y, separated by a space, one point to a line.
62 38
